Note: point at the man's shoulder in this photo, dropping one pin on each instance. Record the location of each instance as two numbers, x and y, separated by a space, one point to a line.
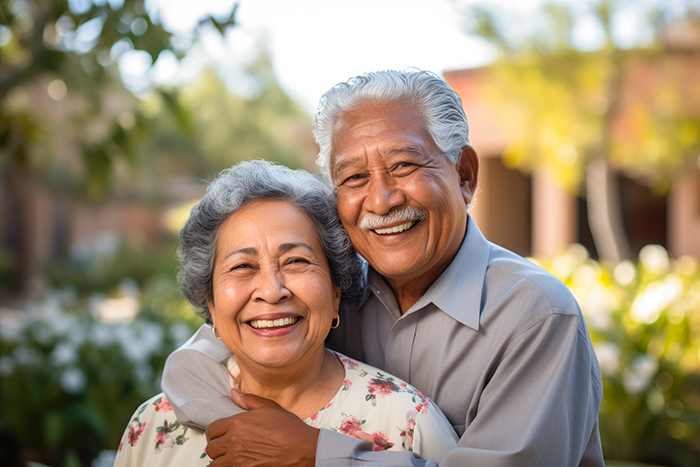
526 284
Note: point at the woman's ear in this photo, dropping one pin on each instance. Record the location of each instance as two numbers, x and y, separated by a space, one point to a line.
336 298
210 306
468 169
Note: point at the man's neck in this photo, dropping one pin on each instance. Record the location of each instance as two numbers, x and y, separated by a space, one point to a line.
408 290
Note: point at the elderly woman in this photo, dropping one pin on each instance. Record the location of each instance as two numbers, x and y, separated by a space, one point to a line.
265 261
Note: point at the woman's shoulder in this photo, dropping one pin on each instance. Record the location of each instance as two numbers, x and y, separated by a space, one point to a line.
391 411
154 436
379 383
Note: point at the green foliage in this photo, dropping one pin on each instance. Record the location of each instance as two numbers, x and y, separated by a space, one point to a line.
70 380
221 128
644 321
95 125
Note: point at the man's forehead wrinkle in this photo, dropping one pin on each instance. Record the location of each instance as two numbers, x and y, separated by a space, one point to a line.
412 148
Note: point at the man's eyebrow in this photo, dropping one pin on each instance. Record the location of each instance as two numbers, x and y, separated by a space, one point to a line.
344 165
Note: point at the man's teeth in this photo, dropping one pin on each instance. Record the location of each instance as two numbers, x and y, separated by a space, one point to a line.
273 323
395 229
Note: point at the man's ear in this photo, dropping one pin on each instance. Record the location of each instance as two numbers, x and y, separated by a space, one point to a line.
468 169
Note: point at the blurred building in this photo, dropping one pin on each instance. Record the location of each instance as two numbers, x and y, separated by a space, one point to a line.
532 214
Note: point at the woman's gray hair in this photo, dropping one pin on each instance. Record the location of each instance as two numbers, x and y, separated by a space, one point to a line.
439 104
238 187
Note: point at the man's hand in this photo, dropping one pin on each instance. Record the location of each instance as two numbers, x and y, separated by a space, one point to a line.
266 435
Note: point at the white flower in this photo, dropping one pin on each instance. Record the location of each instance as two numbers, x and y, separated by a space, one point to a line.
101 335
105 458
179 333
11 325
7 365
608 357
654 258
625 272
143 372
150 337
597 302
655 298
637 377
128 342
586 275
27 356
73 380
65 353
115 310
41 333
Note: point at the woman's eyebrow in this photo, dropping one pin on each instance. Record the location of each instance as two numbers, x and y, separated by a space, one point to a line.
243 251
285 247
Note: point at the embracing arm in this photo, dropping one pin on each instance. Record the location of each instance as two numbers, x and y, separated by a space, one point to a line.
540 407
196 381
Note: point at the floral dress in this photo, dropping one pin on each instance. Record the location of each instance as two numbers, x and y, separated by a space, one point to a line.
370 405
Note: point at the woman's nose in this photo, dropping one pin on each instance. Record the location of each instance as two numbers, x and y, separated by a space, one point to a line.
270 287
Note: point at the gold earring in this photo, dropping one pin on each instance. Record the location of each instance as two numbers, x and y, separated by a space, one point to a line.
337 323
216 333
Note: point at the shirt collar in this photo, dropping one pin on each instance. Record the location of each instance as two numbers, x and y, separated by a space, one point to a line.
459 288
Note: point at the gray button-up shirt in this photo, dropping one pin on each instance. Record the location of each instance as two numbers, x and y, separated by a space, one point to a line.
498 343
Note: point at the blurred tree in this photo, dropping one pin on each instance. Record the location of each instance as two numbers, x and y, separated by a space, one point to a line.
224 128
565 104
67 51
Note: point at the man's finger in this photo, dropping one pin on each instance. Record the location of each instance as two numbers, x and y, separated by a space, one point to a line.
217 428
216 448
250 401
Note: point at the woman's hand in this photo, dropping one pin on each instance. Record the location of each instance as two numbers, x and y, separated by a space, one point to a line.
265 435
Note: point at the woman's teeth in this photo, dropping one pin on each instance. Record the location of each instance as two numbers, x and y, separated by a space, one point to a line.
273 323
395 229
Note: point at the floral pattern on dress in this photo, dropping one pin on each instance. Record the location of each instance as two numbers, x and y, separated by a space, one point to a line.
350 424
351 365
382 387
136 429
162 404
326 407
392 417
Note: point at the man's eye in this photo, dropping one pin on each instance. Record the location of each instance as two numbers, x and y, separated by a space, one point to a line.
401 169
353 180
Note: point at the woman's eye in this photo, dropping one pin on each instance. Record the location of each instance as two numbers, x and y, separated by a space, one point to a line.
242 266
297 261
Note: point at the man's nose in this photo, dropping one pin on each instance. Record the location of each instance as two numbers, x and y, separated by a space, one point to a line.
270 286
383 194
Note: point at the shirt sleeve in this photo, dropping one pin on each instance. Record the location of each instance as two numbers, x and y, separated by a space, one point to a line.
539 408
197 382
433 435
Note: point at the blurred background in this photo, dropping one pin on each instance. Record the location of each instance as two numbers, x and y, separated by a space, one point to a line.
114 114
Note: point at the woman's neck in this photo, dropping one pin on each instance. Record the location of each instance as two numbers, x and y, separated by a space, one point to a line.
302 390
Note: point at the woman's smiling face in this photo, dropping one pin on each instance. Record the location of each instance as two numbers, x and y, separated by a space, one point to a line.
273 296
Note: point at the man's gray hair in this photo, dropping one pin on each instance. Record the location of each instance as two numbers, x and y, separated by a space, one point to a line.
240 186
439 104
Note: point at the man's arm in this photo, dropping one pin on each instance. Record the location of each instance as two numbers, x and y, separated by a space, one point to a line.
539 408
197 382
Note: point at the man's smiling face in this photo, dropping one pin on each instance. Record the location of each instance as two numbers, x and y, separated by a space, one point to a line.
401 200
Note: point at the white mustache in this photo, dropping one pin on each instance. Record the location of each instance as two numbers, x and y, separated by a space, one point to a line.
375 221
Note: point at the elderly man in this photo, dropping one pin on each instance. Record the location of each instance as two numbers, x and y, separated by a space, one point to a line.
499 344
